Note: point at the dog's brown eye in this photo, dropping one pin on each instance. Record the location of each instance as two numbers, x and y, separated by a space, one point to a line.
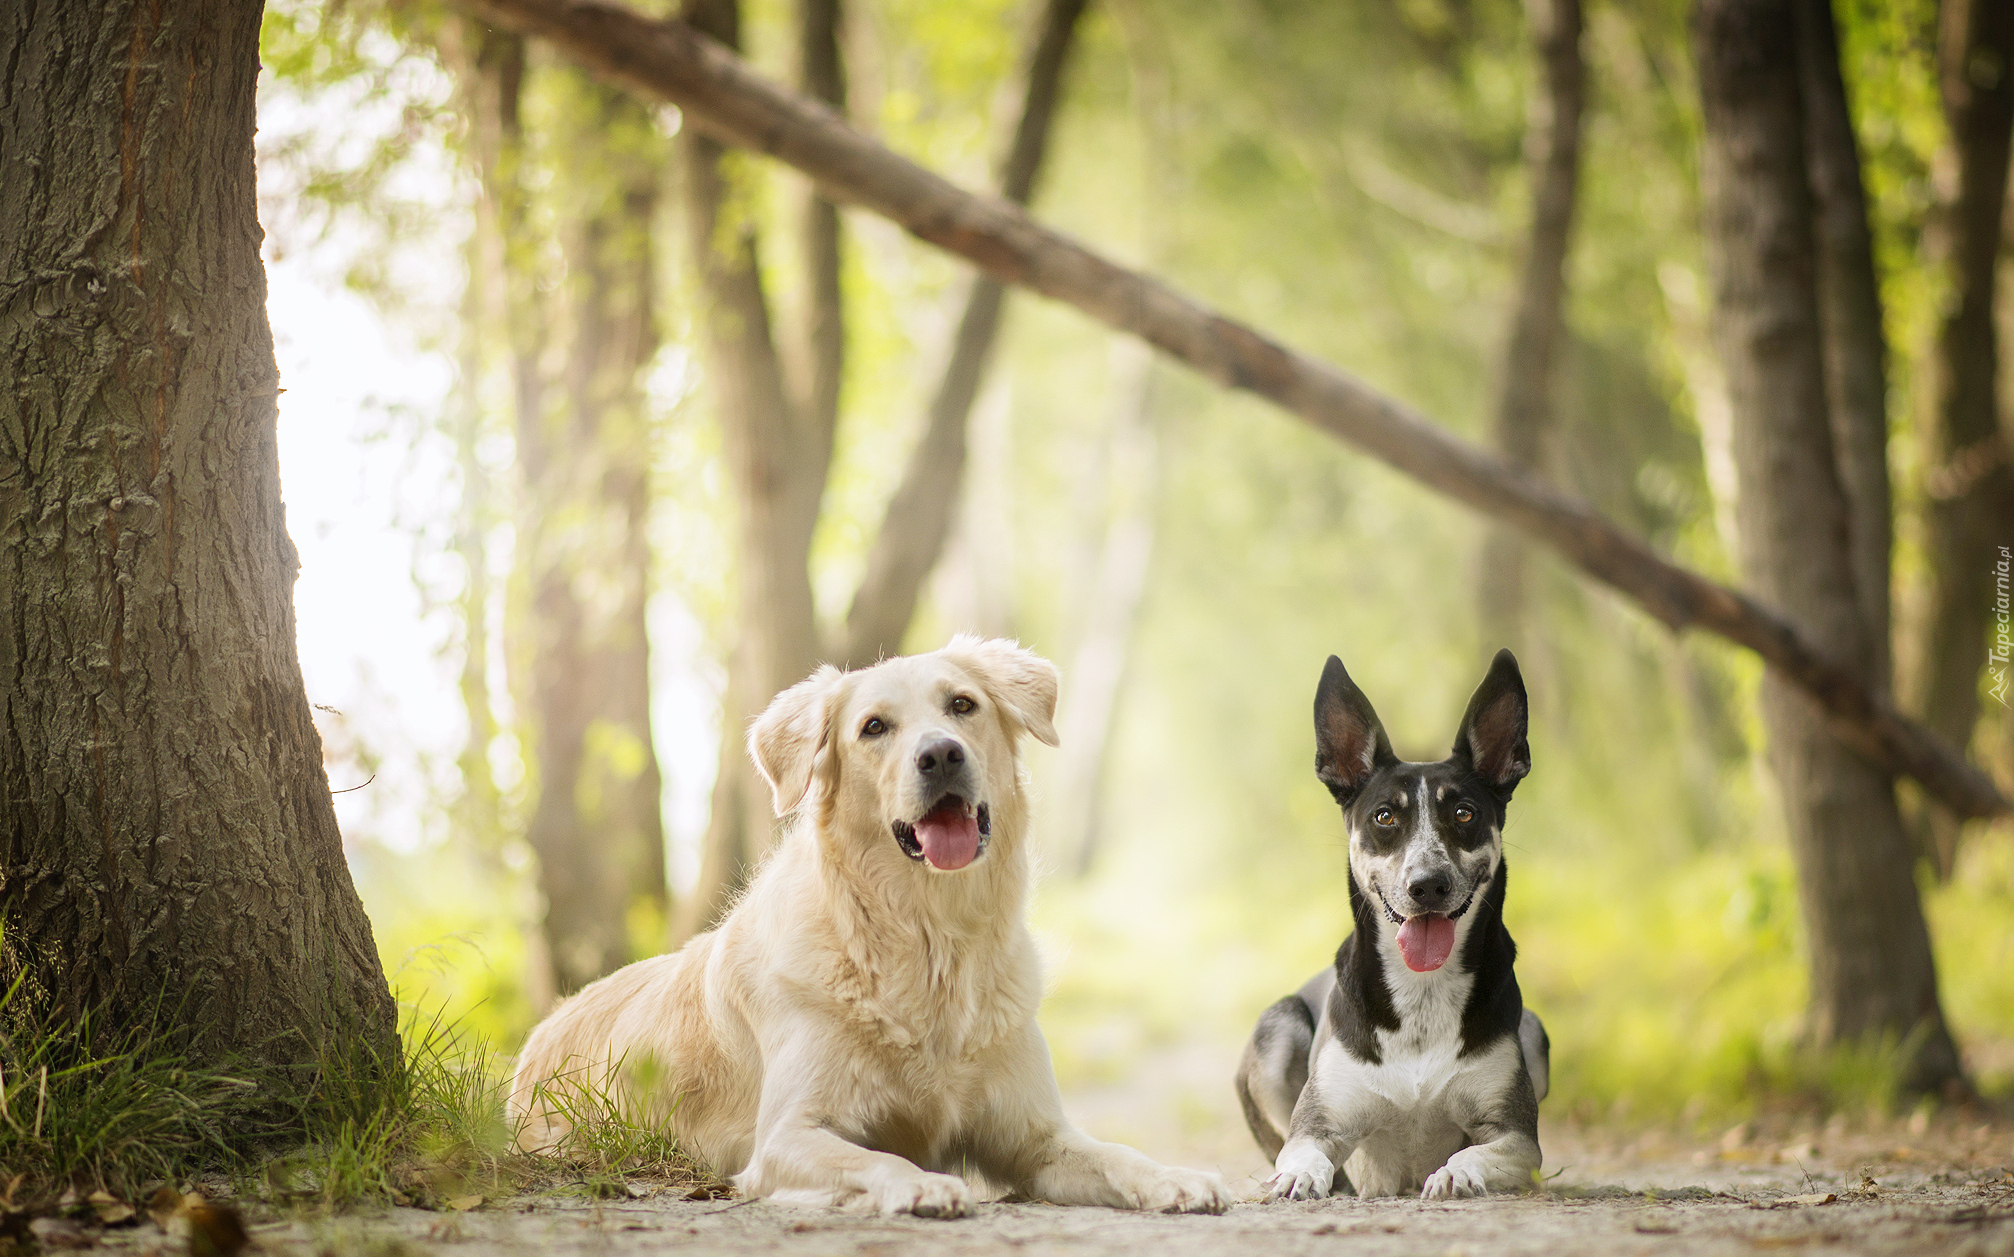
1464 814
962 705
1384 817
874 727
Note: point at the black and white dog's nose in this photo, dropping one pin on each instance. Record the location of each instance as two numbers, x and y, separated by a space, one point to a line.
1430 890
940 759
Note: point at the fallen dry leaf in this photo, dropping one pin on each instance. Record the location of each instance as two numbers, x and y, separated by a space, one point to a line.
462 1204
60 1233
1815 1198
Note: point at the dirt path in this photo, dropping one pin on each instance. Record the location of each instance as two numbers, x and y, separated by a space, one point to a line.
1908 1217
1896 1187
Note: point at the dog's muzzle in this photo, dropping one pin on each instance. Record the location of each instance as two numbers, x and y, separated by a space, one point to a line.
951 835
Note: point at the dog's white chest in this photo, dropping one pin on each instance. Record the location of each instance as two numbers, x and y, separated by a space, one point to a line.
1404 1103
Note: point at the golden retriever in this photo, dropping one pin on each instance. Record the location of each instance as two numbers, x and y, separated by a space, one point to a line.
860 1029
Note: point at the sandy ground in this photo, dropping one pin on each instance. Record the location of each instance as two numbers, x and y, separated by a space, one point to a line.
1900 1187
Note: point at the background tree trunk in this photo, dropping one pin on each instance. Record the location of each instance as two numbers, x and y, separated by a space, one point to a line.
796 449
778 459
475 54
919 516
492 67
1856 342
583 547
1969 488
170 842
1872 972
822 73
1123 552
1525 401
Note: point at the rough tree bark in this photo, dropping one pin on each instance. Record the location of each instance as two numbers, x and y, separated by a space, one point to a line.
673 61
778 454
170 841
1856 342
1969 489
1872 973
918 520
1525 400
582 542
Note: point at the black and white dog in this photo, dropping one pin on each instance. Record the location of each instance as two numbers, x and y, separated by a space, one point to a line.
1412 1065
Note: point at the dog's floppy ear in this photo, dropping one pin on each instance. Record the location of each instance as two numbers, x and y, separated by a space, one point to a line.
1492 737
793 736
1020 680
1350 741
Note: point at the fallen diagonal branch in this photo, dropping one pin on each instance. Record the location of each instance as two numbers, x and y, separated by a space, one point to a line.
723 97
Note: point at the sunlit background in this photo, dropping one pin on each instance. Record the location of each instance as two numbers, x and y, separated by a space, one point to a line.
1347 176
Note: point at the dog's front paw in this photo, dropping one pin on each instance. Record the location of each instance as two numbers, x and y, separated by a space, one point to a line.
926 1196
1456 1179
1301 1173
1171 1190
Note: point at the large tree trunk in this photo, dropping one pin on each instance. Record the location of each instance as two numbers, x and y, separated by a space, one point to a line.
779 458
913 532
1969 488
583 547
1871 968
720 95
171 849
1525 402
1856 343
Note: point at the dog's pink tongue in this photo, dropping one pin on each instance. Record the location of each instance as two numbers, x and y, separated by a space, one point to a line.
950 838
1424 940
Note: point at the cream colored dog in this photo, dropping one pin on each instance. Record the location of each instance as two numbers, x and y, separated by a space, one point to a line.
864 1019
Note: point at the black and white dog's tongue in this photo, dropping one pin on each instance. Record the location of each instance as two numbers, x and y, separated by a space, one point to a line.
1424 940
950 838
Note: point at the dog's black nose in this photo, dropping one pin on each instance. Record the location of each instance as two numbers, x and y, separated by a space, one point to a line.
1430 890
940 758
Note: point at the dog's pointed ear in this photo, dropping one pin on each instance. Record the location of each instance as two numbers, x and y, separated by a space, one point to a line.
1492 736
1350 741
793 737
1021 681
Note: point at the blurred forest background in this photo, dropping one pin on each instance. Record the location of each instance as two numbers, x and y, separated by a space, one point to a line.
509 452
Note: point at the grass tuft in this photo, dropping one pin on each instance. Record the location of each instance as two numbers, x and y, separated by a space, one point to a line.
86 1110
442 1134
612 1137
